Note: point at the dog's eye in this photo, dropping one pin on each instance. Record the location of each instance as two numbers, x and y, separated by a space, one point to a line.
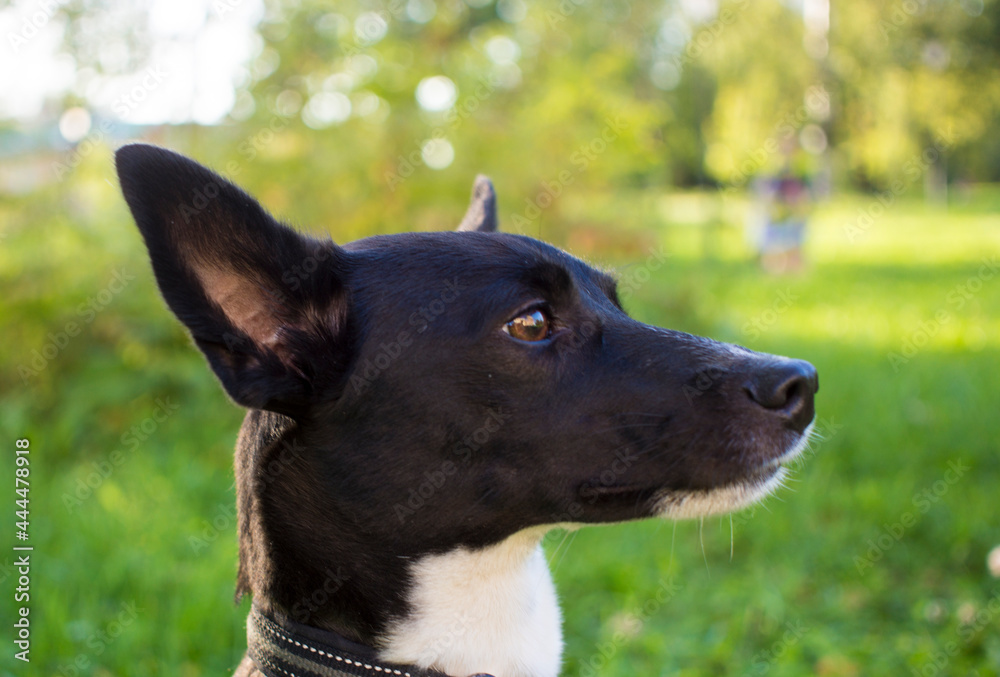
533 325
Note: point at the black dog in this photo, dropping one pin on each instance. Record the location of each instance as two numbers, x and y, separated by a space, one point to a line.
423 407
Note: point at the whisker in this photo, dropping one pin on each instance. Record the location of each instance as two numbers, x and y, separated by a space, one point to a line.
673 539
566 549
701 537
566 540
732 539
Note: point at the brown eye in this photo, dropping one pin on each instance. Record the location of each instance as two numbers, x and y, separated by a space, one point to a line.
531 326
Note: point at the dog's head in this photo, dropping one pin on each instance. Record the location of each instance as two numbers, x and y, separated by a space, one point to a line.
434 390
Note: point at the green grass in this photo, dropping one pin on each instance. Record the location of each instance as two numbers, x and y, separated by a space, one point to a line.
158 531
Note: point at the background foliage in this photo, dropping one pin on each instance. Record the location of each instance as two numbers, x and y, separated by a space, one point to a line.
615 130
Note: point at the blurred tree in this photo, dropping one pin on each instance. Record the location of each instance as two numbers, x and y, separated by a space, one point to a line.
408 99
555 87
916 82
768 90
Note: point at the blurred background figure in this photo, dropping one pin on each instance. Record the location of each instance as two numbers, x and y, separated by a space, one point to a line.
785 201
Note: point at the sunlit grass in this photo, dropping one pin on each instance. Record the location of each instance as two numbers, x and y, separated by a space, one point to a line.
890 431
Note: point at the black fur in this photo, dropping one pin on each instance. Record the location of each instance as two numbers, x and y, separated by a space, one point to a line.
385 371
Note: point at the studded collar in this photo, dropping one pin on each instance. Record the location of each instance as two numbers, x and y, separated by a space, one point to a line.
281 647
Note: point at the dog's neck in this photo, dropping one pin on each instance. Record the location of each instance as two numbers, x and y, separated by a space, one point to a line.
492 611
460 611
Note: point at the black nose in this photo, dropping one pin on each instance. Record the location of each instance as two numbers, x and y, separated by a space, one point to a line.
786 387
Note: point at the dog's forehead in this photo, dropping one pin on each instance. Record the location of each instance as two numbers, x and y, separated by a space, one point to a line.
468 255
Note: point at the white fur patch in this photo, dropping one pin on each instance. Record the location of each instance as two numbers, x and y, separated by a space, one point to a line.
687 503
492 610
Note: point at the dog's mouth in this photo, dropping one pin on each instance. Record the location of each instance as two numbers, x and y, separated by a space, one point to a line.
758 483
689 503
752 485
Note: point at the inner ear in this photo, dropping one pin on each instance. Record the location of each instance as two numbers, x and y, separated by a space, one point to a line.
276 337
247 303
482 213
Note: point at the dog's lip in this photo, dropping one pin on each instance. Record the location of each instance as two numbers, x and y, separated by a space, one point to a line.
790 455
764 471
754 474
793 451
615 489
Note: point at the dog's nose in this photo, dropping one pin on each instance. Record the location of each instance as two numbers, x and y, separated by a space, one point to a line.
786 387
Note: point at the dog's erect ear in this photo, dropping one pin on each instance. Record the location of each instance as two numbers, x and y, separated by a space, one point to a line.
482 213
265 304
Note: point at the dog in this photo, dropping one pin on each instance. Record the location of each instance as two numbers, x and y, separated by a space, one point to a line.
423 407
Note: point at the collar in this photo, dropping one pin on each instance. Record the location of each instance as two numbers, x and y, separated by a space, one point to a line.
280 647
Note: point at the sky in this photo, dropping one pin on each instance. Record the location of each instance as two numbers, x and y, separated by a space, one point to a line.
199 54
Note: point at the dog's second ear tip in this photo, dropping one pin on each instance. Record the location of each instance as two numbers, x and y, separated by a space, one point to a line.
126 156
483 183
483 190
132 156
482 213
135 150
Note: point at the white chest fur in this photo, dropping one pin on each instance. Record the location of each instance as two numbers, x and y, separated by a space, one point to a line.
492 610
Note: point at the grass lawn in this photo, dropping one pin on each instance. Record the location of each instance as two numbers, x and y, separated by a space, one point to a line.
872 561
